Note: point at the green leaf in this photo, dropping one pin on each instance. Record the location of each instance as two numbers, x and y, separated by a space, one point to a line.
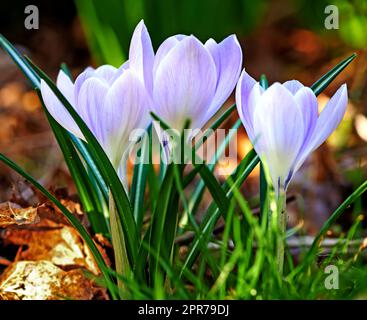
215 189
213 214
23 65
138 185
158 221
73 221
328 77
95 174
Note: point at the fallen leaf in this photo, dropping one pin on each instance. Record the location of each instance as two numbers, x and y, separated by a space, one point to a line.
42 280
61 246
11 213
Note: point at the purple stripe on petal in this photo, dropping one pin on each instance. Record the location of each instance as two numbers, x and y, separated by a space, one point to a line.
279 126
126 108
90 105
307 102
86 74
184 84
163 50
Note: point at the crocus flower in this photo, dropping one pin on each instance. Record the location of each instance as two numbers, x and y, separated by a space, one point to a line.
283 123
192 80
112 102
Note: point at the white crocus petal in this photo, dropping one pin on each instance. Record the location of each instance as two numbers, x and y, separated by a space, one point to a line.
330 117
293 86
121 70
66 86
184 84
279 126
247 93
58 111
81 78
307 103
141 55
227 56
106 72
163 50
126 108
90 107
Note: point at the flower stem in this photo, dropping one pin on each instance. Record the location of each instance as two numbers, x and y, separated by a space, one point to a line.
281 226
118 242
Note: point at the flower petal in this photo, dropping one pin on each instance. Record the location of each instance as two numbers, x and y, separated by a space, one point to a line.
164 48
279 128
126 108
184 84
330 117
293 86
91 103
227 56
247 93
307 102
66 86
106 72
141 55
58 111
81 78
308 105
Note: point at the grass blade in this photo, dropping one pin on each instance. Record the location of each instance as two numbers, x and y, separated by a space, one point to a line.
326 79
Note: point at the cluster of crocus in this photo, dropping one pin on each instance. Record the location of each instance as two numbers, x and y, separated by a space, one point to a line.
187 79
284 125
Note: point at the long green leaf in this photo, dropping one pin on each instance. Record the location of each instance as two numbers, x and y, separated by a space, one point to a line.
158 221
139 182
328 77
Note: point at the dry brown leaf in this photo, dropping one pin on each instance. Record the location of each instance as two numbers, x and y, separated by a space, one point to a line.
11 213
42 280
61 246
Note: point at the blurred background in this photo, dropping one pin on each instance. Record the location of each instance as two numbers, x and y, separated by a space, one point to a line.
284 39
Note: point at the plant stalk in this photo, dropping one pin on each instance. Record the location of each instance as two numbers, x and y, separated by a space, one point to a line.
281 230
122 265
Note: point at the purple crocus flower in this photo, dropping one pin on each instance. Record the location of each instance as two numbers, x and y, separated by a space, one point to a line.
283 123
112 102
192 80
